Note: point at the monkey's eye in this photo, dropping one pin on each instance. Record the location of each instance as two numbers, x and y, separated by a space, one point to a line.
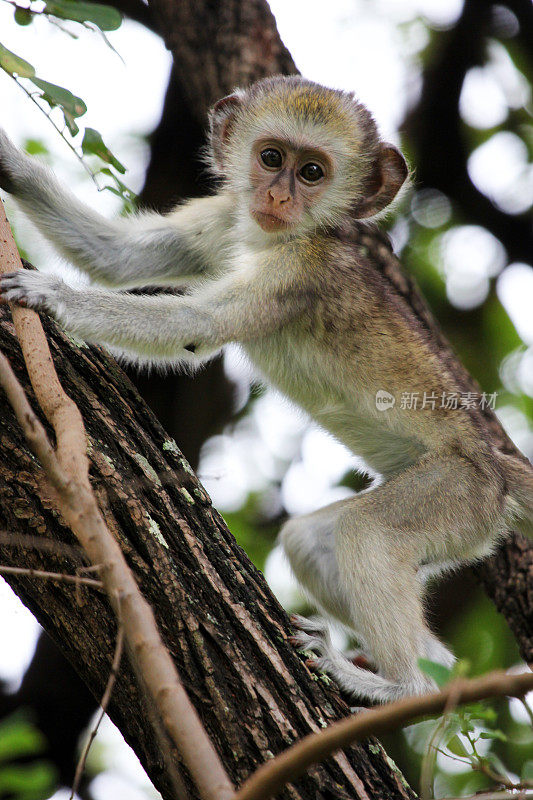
271 158
311 172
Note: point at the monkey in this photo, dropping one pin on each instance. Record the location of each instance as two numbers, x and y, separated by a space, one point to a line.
277 260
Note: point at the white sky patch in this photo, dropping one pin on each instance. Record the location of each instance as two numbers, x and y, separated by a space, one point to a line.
121 97
470 255
280 423
306 487
525 372
352 61
281 579
515 290
18 634
482 103
500 168
489 91
514 83
439 13
124 778
124 102
517 426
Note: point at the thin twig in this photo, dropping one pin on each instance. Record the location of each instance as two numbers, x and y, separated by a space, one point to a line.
428 762
53 576
495 777
524 794
29 542
119 648
82 161
429 759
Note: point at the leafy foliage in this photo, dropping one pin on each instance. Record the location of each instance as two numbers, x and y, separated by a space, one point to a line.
465 735
23 775
49 96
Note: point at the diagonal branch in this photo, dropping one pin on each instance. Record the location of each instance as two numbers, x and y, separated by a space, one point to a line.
272 776
68 471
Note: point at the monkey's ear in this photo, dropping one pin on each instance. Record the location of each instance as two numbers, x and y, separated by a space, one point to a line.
388 175
221 119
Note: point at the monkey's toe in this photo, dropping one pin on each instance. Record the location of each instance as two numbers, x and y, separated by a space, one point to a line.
314 626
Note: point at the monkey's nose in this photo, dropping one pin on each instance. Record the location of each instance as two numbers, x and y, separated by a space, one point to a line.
278 195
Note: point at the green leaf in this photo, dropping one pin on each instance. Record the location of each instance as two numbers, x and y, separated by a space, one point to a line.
34 147
467 726
33 781
93 144
419 734
59 96
19 738
461 668
439 673
484 713
527 771
14 64
70 123
494 735
456 747
105 17
23 17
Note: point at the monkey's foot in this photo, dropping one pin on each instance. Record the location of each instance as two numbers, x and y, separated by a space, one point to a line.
357 680
313 634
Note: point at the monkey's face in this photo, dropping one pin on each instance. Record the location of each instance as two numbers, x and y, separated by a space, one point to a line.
287 182
299 156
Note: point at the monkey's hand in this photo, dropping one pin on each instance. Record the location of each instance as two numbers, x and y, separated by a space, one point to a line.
12 163
37 290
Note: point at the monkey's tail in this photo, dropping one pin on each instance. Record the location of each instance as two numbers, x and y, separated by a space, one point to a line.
519 476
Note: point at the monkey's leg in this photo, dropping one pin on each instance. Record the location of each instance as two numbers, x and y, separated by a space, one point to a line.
310 545
359 560
444 507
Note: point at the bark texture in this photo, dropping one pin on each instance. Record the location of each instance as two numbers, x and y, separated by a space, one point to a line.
238 41
217 616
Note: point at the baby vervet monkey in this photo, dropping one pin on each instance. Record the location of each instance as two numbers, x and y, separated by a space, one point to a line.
274 261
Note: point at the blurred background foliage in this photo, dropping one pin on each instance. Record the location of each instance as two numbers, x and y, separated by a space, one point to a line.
451 82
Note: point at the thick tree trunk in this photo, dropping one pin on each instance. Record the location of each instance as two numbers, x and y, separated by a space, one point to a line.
217 616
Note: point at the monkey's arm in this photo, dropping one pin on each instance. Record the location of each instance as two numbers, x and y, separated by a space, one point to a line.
132 251
162 328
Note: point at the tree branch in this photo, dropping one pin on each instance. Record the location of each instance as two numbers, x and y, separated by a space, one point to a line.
273 775
67 467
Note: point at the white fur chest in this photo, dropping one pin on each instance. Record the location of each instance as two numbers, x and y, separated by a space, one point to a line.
312 379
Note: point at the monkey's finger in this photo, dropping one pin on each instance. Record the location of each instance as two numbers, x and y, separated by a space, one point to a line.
12 289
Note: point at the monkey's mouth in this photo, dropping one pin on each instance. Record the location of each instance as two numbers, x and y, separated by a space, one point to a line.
270 222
